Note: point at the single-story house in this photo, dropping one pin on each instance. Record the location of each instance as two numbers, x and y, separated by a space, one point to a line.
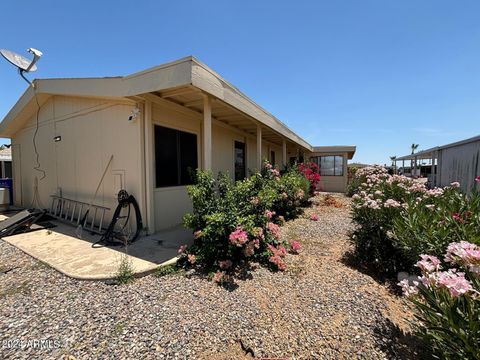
158 124
332 163
458 161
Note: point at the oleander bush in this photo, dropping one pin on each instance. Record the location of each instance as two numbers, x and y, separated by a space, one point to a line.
398 219
446 300
239 221
428 223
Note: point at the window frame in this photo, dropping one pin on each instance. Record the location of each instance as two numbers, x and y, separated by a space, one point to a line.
178 169
318 160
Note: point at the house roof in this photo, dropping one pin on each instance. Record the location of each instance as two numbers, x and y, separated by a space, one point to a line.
182 78
428 153
349 149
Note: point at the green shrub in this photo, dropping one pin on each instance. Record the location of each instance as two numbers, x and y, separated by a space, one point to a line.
379 201
167 270
238 221
125 272
430 222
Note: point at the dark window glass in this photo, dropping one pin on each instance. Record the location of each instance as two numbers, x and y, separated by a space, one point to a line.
175 157
330 165
8 169
272 157
239 160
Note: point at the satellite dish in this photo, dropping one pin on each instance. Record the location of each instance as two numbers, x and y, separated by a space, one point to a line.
19 61
23 64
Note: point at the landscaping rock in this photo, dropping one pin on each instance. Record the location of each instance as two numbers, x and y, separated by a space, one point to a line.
319 308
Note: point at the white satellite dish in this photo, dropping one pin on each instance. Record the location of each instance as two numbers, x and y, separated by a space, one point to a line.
23 64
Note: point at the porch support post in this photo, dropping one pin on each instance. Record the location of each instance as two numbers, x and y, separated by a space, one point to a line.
432 171
259 147
207 133
149 166
284 153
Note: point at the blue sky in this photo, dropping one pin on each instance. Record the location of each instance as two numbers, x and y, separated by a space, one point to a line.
376 74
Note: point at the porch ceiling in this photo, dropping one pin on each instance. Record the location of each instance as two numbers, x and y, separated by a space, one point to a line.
191 98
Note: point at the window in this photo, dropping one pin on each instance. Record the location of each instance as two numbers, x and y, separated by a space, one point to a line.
239 160
272 157
330 165
175 157
8 169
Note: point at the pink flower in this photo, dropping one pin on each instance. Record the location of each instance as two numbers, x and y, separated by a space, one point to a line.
428 263
182 249
458 217
276 258
239 237
269 214
455 282
465 254
219 277
225 264
274 229
295 246
314 217
256 243
477 178
455 184
407 289
191 258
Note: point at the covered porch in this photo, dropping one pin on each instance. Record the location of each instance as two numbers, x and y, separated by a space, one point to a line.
423 164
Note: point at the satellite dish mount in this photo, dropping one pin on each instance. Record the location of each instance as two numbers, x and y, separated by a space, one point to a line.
23 64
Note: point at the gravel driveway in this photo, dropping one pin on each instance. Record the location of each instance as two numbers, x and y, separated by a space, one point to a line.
318 309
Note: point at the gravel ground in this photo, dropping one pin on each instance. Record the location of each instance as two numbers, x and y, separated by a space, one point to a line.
318 309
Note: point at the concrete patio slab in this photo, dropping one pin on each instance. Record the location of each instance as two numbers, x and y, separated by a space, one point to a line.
62 250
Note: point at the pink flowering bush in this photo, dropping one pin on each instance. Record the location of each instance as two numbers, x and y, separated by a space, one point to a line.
399 218
447 301
236 222
379 200
310 171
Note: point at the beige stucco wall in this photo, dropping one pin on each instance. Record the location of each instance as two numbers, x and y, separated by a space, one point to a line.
91 131
334 183
171 203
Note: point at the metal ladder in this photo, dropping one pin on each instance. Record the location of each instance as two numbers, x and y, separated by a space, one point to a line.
72 211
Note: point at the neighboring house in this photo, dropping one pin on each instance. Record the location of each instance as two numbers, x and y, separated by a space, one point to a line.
5 163
332 162
158 124
458 161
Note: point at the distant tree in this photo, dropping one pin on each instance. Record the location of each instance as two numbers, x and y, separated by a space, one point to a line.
413 164
414 147
393 158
